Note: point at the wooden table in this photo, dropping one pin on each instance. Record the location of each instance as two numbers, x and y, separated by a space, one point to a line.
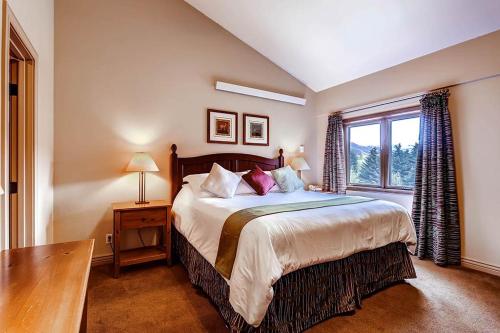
129 215
44 288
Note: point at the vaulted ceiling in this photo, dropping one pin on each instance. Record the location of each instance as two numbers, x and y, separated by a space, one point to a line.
324 43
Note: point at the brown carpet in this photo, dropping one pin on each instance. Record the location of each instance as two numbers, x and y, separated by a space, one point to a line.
155 298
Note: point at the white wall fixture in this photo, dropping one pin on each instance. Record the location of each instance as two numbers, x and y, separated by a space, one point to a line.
234 88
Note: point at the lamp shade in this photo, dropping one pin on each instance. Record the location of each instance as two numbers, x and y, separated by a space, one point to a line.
141 162
299 164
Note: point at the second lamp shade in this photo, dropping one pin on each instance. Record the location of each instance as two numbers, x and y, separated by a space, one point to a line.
299 164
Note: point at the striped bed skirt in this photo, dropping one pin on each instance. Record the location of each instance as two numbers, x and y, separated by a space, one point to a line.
309 295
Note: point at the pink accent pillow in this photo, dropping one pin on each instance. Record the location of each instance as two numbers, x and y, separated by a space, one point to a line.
259 180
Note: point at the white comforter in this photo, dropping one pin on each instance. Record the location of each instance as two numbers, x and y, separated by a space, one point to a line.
274 245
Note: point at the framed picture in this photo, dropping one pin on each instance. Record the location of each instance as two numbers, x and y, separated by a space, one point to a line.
255 130
222 127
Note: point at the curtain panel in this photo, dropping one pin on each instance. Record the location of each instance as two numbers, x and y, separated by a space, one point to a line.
334 174
435 204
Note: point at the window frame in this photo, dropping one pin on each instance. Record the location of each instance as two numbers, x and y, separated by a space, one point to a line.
385 120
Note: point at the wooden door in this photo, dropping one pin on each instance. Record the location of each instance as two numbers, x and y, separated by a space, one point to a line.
17 135
13 129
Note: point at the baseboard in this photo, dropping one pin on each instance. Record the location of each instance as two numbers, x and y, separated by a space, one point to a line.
466 262
480 266
102 260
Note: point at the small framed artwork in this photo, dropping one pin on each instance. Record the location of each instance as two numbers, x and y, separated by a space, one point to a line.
255 130
222 127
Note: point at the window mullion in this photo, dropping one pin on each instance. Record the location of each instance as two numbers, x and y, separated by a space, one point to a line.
347 153
384 157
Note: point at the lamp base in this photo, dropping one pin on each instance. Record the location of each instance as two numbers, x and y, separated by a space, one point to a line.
142 189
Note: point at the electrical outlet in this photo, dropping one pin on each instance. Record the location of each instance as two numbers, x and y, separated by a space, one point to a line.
109 238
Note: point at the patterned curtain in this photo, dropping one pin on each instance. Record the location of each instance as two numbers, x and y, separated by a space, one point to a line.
435 204
334 177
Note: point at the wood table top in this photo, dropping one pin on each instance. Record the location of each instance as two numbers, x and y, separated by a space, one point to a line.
43 288
131 205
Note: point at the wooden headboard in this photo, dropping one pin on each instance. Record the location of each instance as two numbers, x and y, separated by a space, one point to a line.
184 166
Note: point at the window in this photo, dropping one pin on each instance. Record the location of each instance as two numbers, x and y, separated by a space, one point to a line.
403 152
382 150
364 154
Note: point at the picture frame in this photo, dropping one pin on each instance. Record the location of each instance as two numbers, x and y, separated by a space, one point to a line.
222 127
255 130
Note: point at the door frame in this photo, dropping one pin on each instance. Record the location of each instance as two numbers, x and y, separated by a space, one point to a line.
13 36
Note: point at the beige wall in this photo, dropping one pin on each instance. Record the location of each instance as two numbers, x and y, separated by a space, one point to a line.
475 110
139 76
136 76
37 19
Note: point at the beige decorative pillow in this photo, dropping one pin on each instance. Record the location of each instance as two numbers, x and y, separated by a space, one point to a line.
221 182
287 179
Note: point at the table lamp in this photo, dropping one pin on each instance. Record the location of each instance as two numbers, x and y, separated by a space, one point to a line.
142 162
299 164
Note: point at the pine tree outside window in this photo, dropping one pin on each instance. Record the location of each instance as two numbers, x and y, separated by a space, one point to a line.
381 150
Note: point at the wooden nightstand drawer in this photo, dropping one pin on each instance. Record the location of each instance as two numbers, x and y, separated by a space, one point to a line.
143 218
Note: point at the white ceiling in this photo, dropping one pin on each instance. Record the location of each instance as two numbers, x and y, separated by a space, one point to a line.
324 43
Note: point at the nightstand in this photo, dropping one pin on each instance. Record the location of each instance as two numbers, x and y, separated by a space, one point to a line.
129 215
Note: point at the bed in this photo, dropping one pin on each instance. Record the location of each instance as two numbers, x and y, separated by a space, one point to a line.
292 269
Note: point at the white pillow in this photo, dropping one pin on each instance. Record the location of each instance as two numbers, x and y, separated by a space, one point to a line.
243 187
195 181
221 182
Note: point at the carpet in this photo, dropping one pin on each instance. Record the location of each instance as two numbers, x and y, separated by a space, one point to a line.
156 298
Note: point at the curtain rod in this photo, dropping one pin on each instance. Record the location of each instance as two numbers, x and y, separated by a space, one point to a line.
413 96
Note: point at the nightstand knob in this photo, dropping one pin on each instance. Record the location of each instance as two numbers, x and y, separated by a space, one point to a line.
143 219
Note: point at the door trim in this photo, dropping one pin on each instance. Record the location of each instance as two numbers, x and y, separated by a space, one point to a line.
14 37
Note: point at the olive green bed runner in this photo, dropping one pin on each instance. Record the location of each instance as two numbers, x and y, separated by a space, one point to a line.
235 223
